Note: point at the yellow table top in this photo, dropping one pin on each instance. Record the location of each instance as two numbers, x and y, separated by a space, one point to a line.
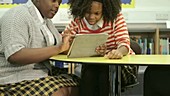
129 59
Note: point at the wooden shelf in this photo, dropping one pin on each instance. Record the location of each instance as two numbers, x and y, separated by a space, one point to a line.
156 34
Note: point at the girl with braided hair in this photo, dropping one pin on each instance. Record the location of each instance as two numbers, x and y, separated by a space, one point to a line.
99 16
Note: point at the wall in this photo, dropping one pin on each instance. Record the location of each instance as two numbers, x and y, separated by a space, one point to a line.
149 11
154 13
145 11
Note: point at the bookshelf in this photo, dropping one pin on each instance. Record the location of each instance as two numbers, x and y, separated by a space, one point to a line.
158 37
164 38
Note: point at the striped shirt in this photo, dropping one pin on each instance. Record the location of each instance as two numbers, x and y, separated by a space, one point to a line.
117 31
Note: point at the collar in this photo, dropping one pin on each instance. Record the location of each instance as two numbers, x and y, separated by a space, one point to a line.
30 4
99 24
39 15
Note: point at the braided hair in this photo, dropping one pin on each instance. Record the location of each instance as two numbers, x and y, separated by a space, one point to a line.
111 8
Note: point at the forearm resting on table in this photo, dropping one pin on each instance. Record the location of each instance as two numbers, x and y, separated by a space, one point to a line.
123 49
34 55
117 53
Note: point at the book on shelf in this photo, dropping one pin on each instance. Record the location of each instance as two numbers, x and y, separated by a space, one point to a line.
164 45
146 44
60 64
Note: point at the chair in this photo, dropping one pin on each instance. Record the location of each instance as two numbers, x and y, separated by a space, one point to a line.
137 49
125 86
136 90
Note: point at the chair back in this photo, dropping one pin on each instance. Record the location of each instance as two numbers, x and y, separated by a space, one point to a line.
135 47
130 72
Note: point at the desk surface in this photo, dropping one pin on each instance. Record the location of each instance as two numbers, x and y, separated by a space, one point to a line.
129 59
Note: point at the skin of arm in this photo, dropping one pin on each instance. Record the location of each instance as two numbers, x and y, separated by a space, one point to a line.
101 50
68 32
122 50
118 53
47 9
34 55
112 54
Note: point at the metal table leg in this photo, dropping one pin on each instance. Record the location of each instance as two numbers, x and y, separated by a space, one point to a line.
119 80
112 76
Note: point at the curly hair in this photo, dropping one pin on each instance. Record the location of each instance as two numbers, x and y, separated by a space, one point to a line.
111 8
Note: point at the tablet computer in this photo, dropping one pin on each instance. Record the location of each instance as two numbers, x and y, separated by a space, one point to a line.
84 45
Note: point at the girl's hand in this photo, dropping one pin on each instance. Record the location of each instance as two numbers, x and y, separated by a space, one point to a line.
114 54
101 50
66 43
69 30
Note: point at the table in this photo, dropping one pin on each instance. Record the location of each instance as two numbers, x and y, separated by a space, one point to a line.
142 60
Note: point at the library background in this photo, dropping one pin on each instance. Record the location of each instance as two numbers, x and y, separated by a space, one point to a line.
148 23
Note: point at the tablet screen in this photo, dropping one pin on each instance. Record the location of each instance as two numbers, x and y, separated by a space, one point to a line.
84 45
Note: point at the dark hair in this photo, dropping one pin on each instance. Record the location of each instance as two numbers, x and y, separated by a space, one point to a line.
111 8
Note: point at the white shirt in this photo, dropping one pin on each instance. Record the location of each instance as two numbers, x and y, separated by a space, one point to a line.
43 21
96 26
